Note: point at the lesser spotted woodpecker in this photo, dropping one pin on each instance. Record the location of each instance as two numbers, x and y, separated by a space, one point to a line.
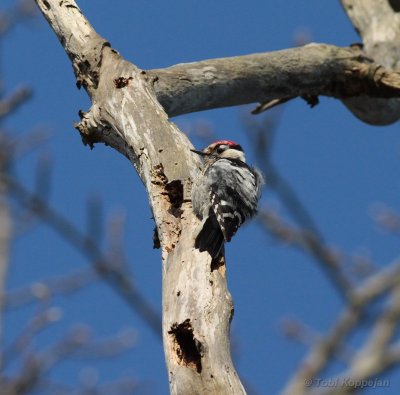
224 195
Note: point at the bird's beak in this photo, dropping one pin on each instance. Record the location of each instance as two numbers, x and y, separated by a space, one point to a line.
201 153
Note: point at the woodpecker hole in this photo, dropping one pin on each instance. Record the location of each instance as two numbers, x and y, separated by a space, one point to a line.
121 82
187 348
174 190
395 4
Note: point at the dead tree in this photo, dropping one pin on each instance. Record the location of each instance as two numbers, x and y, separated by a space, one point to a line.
130 112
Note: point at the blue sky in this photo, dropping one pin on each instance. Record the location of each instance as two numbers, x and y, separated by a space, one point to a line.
338 166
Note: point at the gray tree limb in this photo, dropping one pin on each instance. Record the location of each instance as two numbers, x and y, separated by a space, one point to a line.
126 115
312 70
378 24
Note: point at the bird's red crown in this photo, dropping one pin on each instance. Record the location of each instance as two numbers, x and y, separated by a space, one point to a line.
230 143
226 142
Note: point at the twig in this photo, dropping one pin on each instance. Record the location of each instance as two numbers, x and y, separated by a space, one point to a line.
306 241
62 285
14 101
308 237
320 355
120 282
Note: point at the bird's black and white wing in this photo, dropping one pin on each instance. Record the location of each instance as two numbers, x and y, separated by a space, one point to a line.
233 190
234 194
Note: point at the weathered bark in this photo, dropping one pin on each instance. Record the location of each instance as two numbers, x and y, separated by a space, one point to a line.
125 114
312 70
378 24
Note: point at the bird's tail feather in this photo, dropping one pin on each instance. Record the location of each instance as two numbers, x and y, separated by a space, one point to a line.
210 238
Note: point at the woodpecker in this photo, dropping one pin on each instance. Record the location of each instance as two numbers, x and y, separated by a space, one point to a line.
224 194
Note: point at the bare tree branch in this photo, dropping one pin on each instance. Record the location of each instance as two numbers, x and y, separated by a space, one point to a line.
5 230
21 344
307 237
308 242
312 70
320 355
14 101
120 281
77 343
46 288
23 9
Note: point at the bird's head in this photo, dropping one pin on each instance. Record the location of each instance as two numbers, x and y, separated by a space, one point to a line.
223 149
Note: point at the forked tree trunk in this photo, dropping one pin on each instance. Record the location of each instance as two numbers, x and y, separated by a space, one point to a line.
127 115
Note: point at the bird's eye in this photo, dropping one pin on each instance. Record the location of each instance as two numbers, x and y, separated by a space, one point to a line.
221 149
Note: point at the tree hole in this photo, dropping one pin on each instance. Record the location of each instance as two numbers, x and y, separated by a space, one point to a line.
187 348
395 4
